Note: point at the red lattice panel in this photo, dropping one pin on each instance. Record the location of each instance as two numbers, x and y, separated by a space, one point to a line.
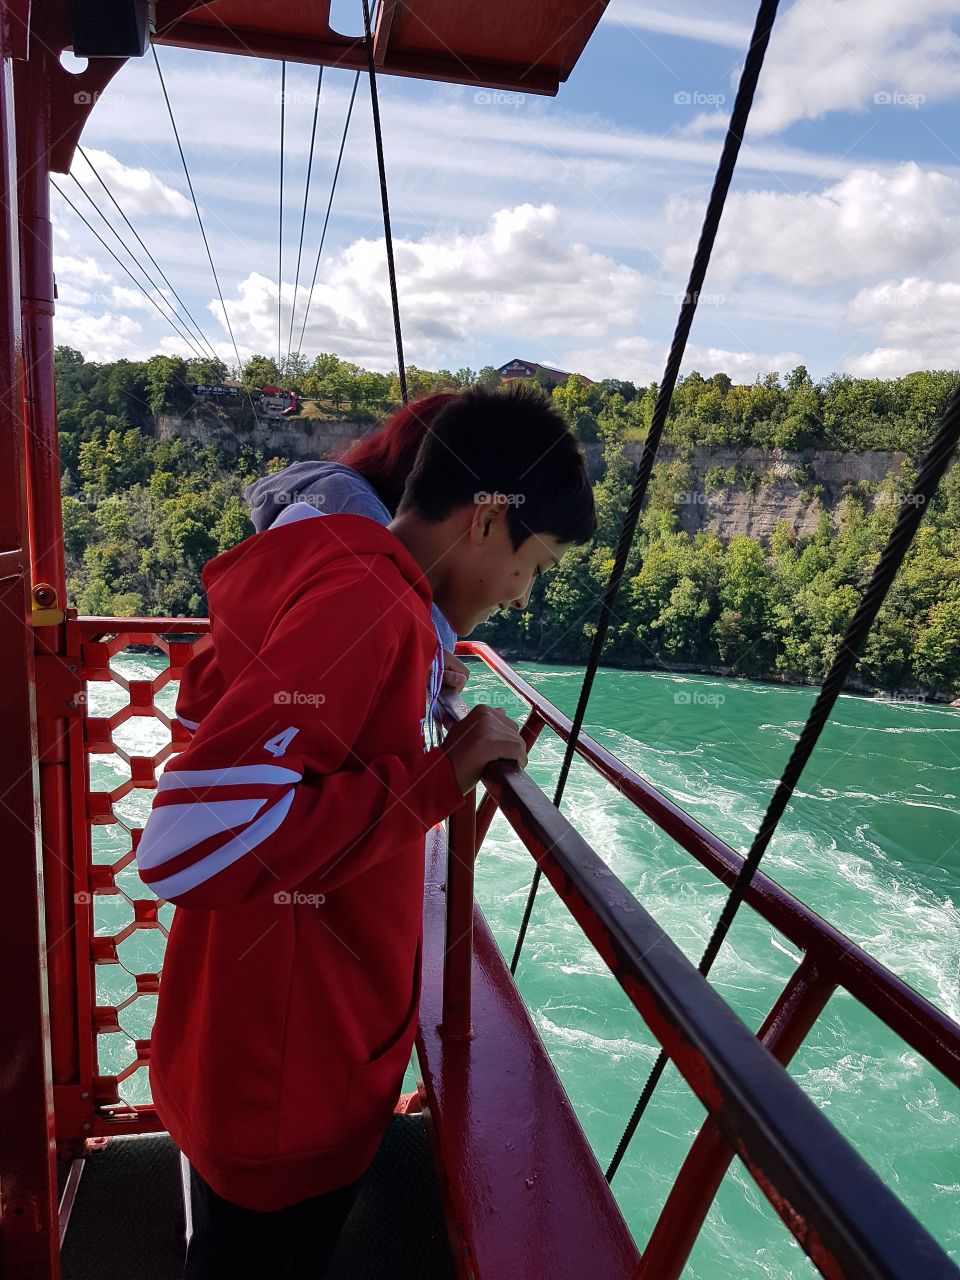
127 922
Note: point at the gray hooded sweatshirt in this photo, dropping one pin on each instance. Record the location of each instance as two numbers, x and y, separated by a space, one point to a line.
334 490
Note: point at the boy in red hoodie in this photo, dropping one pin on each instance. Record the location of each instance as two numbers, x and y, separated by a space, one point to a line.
290 832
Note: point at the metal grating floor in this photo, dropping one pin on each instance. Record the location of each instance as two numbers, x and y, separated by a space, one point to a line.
128 1220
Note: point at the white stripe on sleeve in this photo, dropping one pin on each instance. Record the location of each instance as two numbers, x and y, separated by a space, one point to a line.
183 881
174 828
240 775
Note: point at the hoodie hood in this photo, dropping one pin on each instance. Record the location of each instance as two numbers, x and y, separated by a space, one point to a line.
329 486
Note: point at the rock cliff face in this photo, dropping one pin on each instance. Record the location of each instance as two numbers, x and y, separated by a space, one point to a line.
283 437
769 486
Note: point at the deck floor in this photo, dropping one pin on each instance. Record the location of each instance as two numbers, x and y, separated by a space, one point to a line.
128 1218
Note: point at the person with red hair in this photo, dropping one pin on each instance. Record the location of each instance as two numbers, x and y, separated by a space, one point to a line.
367 480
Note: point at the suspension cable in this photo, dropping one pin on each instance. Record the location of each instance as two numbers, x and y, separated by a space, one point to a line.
175 319
93 231
708 234
387 233
306 199
283 106
156 264
196 207
912 508
326 219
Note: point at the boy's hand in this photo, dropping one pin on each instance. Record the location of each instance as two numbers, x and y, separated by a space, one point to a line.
455 672
485 734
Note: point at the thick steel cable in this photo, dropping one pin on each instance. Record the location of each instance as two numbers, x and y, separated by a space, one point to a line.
203 337
911 512
93 231
283 107
306 200
326 219
387 233
708 234
196 208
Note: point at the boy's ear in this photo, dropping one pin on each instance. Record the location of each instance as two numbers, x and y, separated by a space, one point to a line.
488 512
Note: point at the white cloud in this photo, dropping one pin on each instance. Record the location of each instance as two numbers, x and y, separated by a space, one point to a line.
519 275
836 55
917 322
642 361
868 224
87 270
706 26
103 336
135 190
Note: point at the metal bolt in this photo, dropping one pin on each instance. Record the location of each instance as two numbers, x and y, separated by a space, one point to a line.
85 1094
86 1128
72 667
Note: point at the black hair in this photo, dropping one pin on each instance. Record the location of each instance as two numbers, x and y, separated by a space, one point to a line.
513 444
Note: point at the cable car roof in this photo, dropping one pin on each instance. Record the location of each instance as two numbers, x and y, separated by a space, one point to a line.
529 46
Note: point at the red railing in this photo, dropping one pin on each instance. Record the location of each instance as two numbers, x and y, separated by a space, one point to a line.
847 1221
820 1187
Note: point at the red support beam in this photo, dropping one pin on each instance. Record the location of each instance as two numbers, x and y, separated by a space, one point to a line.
798 1007
458 938
34 138
28 1202
523 1192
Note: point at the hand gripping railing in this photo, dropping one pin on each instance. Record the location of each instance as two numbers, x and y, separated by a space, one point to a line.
844 1217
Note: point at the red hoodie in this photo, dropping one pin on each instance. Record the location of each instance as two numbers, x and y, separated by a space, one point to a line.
290 835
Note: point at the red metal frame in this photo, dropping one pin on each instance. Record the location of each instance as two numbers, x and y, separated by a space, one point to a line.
529 48
28 1225
50 885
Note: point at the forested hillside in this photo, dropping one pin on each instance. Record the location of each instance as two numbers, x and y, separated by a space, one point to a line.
142 516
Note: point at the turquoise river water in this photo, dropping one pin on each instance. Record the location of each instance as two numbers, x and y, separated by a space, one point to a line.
872 843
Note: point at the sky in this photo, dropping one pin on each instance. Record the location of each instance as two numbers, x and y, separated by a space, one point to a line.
558 230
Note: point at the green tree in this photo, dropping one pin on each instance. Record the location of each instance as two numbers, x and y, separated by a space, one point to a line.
260 371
